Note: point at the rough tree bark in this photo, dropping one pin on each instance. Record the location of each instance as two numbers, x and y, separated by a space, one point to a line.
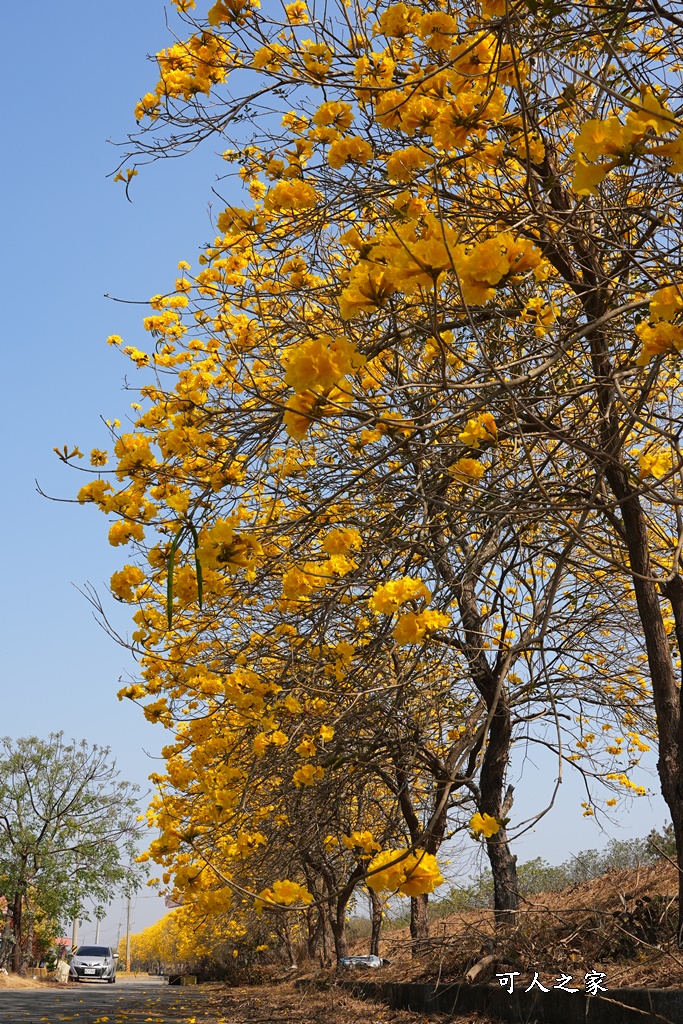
338 908
491 783
376 921
17 909
6 942
27 958
419 918
326 954
313 928
666 690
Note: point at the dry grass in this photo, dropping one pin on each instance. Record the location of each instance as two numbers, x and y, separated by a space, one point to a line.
15 981
621 924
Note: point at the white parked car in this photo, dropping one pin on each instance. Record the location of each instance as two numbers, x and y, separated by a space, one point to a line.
97 963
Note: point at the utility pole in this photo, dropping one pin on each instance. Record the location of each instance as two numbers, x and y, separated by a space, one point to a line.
100 914
74 931
128 937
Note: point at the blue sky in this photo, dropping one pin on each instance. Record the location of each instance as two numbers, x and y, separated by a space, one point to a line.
73 237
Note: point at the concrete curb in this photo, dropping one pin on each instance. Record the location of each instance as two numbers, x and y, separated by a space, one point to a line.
617 1006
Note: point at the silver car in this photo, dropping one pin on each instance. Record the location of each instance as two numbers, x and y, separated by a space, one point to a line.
93 962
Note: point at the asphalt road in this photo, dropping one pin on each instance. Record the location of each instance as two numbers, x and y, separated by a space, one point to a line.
129 1001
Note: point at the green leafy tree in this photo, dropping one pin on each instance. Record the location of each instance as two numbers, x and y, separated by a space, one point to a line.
68 826
662 844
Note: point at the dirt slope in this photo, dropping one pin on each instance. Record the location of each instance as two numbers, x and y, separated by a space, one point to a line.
621 924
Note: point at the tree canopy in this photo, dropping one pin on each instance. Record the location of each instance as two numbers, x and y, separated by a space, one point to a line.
68 827
402 486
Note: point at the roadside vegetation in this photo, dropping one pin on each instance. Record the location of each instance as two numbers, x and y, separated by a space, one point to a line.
613 909
68 831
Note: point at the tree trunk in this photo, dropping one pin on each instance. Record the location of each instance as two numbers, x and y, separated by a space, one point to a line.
670 764
504 871
16 928
313 937
496 757
339 933
327 945
6 943
338 907
28 959
491 785
677 819
419 919
376 919
338 926
286 936
338 921
666 692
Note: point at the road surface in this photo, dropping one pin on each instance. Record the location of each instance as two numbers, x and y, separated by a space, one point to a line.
145 1000
130 1001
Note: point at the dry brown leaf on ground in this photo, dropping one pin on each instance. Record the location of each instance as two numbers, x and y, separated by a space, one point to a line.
310 1005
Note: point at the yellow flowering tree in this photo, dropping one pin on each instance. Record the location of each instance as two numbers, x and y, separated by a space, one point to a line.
420 396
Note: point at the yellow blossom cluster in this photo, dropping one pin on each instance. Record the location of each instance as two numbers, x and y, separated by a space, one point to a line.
220 547
308 775
413 627
627 783
484 825
419 254
320 363
482 267
284 893
124 582
480 429
468 470
364 841
622 141
350 149
411 873
655 462
388 597
187 68
661 334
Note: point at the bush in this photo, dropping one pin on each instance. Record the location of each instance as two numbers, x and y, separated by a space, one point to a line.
662 844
